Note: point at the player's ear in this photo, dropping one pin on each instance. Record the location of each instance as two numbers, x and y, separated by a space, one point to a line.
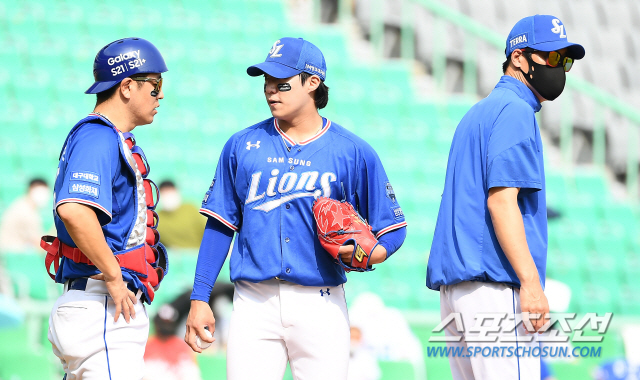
516 55
314 83
125 88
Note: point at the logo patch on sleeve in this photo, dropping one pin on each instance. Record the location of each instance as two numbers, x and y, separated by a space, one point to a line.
397 212
85 176
390 193
79 188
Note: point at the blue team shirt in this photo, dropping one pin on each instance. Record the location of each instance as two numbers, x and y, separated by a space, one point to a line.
497 144
93 171
264 188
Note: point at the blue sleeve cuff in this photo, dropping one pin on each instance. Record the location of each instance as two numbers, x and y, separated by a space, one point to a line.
392 241
213 252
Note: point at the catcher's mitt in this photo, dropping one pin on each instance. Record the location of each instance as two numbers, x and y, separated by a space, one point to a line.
339 224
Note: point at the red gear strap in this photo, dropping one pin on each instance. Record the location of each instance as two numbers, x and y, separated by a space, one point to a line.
138 260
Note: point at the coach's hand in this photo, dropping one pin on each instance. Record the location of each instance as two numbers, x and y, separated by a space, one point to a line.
533 301
200 315
122 296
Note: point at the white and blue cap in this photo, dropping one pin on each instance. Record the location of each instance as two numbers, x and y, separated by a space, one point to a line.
543 33
289 57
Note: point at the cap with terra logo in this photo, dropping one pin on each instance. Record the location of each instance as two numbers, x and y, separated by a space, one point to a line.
544 33
289 57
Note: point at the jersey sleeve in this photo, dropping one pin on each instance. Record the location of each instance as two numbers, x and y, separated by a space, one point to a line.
221 200
513 153
376 200
91 159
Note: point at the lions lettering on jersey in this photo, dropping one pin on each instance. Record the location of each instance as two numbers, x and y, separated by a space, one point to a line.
266 195
289 184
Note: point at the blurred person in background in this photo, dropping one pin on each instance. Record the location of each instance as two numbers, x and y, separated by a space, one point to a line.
384 332
363 364
545 371
166 356
182 225
616 369
22 227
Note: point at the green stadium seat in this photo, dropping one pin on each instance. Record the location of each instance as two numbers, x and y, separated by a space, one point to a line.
592 184
397 370
557 189
25 29
609 240
631 270
629 300
212 367
604 269
27 365
597 298
456 109
29 277
581 209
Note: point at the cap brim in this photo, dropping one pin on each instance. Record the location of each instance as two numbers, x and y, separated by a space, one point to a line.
575 51
273 69
101 86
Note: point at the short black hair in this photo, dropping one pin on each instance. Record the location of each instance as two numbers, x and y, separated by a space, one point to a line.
37 182
105 95
166 183
505 65
321 97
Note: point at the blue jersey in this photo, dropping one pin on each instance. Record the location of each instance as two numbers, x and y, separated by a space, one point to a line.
97 169
264 188
497 144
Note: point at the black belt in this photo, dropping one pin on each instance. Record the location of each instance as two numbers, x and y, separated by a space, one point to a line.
78 283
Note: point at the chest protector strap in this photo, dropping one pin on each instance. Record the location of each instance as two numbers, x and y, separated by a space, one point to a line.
138 260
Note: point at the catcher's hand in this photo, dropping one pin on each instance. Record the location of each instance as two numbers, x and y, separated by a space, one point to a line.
338 225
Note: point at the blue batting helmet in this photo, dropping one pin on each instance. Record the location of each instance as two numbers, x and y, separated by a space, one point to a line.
123 58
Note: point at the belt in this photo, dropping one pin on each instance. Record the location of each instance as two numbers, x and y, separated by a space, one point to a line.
78 284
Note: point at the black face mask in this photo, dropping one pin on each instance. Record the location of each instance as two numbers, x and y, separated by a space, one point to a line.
548 81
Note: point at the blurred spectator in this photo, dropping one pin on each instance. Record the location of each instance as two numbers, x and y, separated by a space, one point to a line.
21 226
181 225
167 356
616 369
545 371
386 332
362 363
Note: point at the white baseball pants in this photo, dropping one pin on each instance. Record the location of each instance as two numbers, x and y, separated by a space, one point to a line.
277 321
470 298
87 341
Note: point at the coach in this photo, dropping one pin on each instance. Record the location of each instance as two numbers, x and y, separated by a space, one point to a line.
489 249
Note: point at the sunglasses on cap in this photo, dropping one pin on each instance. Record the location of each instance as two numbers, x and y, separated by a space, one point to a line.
157 82
554 59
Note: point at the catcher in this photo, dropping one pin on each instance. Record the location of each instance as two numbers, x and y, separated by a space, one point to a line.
277 184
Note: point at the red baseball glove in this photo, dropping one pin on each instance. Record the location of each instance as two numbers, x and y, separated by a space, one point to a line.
339 224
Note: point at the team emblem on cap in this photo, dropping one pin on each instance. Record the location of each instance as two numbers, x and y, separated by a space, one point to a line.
558 28
273 53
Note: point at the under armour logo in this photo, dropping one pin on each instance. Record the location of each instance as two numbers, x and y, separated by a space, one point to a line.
249 145
275 49
322 292
558 28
